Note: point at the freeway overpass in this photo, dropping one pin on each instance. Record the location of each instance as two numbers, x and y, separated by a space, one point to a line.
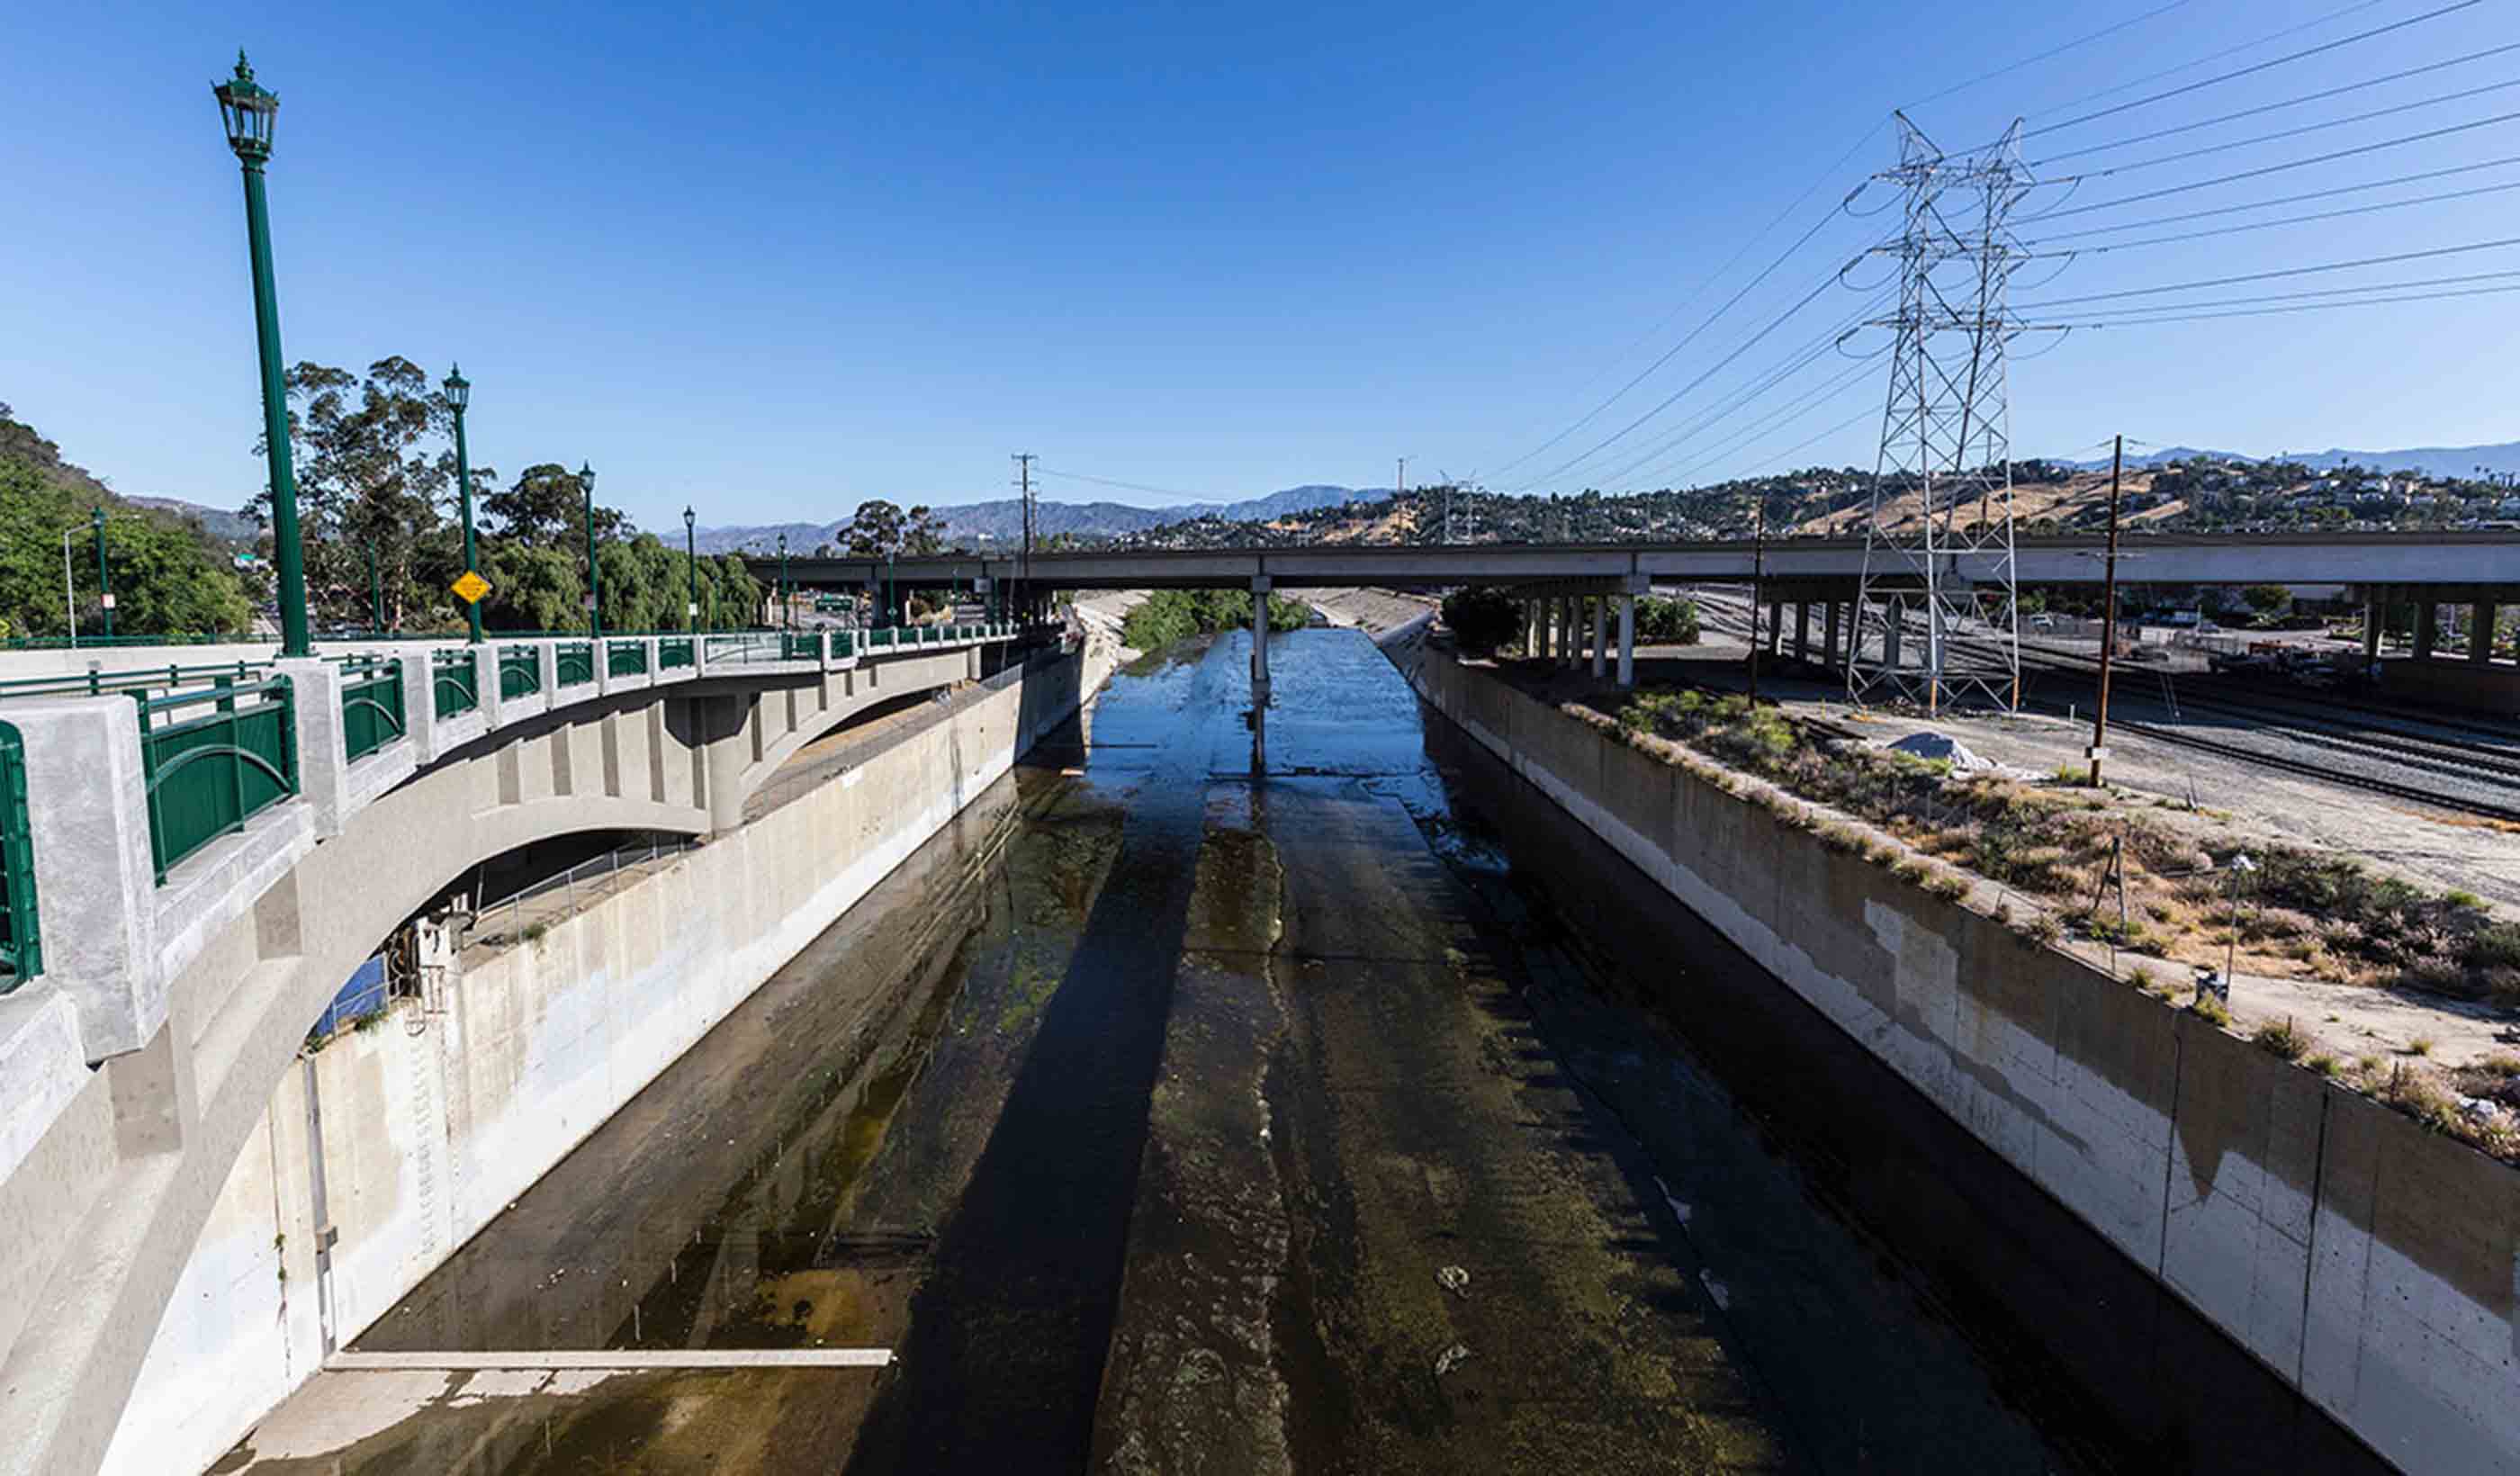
2458 566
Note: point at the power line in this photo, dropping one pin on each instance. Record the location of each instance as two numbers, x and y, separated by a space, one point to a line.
2259 312
2263 204
2208 58
2225 179
1691 300
1690 337
1828 391
2252 69
1105 481
2052 52
1674 397
2292 271
2294 101
2288 220
2305 294
2271 138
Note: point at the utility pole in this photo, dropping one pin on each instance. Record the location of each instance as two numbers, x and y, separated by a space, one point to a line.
2108 617
103 580
1023 487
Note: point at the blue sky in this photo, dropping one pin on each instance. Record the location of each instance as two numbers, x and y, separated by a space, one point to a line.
773 261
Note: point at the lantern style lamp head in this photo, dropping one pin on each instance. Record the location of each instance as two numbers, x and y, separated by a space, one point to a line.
586 480
687 520
459 389
783 542
248 110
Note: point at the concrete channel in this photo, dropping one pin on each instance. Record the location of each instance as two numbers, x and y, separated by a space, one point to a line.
1367 1115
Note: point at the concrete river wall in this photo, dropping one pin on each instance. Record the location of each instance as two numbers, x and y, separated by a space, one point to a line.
415 1132
2240 1261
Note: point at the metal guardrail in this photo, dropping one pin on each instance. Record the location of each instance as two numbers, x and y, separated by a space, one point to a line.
520 672
800 647
673 652
208 775
625 658
65 642
372 708
520 916
21 945
744 649
453 682
574 663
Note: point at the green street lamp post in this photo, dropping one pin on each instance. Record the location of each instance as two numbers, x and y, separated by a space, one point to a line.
593 577
247 111
104 581
690 561
458 396
782 581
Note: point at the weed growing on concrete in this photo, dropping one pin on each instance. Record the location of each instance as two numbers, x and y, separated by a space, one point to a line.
535 931
1910 870
2043 929
2323 1064
1948 885
2422 1045
2210 1008
2282 1037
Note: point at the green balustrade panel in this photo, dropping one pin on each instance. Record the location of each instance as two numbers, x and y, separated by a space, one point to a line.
576 663
21 945
800 647
673 652
625 658
520 672
885 635
844 643
372 707
454 683
213 760
153 677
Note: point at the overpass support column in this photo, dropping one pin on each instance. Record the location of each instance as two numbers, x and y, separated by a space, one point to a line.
727 721
1802 630
1829 635
2427 626
1259 641
1601 621
1776 628
1570 634
1893 627
1628 637
2374 612
2480 630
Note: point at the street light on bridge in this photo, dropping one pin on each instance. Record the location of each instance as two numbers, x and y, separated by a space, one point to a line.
690 561
782 581
594 576
248 111
458 396
103 580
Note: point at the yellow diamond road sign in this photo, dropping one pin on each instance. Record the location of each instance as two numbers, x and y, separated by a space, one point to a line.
472 586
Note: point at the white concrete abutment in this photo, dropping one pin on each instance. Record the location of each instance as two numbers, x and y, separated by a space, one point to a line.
133 1068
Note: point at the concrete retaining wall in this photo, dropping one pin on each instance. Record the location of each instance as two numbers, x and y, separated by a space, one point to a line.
2366 1263
432 1122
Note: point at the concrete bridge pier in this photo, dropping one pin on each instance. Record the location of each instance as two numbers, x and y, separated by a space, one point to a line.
2480 617
2427 628
1628 637
1601 621
1802 630
1829 635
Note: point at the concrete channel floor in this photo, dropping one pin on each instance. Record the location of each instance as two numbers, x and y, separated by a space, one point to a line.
1170 1121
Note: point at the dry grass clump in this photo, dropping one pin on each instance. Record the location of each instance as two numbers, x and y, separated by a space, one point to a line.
2282 1037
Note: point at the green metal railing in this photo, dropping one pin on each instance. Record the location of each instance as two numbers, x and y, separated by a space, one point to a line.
673 652
453 682
98 683
575 662
21 945
64 642
520 672
844 643
625 658
800 646
209 773
372 710
745 648
881 636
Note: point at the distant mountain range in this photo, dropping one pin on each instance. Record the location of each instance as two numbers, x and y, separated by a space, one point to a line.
2432 461
999 523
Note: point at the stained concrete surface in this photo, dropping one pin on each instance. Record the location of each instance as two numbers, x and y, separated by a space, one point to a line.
1170 1119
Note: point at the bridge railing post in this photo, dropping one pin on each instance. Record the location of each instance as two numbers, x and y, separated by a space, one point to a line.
323 754
419 703
96 882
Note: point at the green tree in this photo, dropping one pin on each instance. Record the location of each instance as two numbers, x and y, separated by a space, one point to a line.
1482 618
1672 622
2271 601
546 508
876 529
374 461
167 578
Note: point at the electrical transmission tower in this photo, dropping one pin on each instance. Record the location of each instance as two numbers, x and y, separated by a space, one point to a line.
1935 616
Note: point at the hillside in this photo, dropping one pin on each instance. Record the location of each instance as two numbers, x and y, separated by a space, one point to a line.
999 522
